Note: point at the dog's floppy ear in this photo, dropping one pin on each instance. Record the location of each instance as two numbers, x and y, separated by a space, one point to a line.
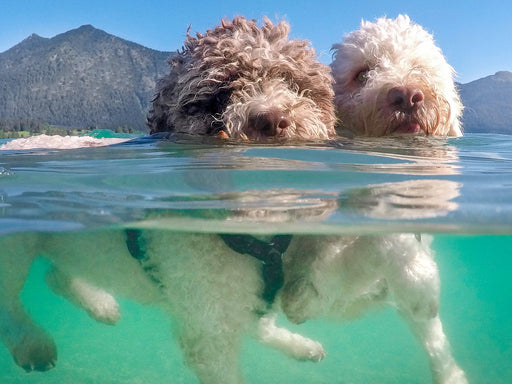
158 116
157 120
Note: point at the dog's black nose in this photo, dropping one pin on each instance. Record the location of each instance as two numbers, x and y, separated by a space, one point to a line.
271 123
405 99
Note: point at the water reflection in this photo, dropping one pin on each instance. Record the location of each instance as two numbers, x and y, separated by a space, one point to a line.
413 156
313 211
411 199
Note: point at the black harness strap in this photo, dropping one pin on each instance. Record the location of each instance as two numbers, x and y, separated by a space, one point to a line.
136 244
269 253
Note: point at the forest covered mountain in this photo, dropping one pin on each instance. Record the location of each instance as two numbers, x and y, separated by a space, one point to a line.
81 78
88 78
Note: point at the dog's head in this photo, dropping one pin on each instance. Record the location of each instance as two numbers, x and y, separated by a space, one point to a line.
391 78
249 82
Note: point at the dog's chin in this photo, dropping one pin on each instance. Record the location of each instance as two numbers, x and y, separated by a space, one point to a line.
281 135
264 137
407 128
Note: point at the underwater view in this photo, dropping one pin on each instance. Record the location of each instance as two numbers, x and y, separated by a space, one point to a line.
116 264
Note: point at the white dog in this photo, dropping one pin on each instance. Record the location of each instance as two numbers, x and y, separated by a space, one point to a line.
391 78
341 277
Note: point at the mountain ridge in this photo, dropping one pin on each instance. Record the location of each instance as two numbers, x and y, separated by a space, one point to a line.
488 104
83 77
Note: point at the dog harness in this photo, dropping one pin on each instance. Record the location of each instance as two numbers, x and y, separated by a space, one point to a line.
136 244
269 253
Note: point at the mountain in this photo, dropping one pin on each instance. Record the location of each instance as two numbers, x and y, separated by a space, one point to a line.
81 78
488 104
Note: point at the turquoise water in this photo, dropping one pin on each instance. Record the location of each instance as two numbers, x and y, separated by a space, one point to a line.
459 190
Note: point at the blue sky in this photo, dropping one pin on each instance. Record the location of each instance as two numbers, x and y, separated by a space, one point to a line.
476 36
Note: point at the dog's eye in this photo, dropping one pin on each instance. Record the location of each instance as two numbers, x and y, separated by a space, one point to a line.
362 76
221 98
192 108
213 105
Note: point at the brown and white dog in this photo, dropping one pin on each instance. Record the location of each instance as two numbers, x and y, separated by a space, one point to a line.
248 82
390 79
243 82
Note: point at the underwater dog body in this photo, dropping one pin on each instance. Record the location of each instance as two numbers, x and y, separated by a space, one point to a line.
214 294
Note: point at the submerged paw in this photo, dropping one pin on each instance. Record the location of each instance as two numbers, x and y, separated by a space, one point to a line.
316 353
35 354
107 311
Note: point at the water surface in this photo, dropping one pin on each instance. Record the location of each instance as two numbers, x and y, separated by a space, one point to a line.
459 190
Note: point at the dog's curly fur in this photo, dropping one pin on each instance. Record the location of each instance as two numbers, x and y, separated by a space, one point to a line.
248 81
391 78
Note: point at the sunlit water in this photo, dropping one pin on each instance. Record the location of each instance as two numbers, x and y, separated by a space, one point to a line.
459 190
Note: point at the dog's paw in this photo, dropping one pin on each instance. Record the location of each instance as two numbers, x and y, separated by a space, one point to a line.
35 352
310 350
455 375
298 299
293 344
104 309
99 304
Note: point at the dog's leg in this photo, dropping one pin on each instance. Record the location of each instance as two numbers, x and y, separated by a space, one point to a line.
415 285
442 364
292 344
336 275
31 347
212 354
307 264
99 304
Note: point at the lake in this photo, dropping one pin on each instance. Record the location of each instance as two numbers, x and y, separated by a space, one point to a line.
457 190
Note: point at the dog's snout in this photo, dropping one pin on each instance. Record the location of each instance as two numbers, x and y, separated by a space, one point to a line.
404 98
271 123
